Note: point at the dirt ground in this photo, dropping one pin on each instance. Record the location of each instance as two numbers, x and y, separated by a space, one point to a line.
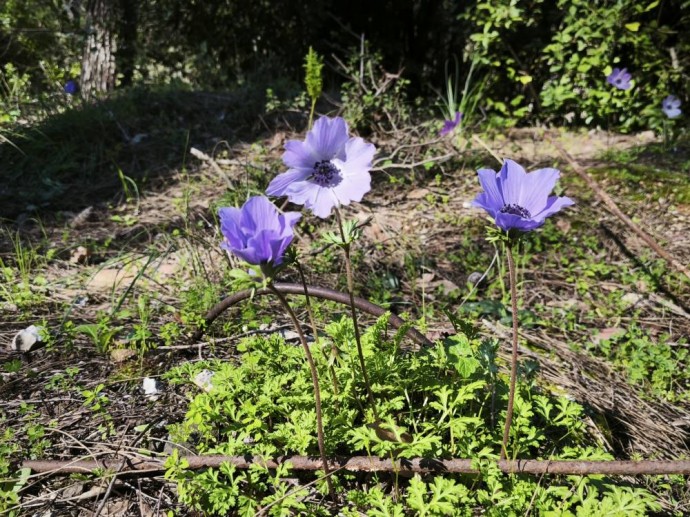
418 225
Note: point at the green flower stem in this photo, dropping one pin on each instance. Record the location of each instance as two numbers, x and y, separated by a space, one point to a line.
513 360
311 112
315 382
315 330
350 290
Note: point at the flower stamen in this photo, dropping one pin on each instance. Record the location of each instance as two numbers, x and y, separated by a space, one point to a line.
516 210
326 174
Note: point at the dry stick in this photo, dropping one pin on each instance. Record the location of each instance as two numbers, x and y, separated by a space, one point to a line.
613 208
371 464
323 293
514 355
315 381
353 311
315 330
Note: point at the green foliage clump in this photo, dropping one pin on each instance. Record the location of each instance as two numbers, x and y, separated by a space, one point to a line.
9 485
653 363
549 61
372 97
590 40
444 401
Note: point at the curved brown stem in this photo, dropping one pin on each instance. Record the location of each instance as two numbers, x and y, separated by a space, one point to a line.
323 293
315 382
514 356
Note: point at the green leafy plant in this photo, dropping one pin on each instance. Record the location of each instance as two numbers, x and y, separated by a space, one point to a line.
444 401
372 97
102 334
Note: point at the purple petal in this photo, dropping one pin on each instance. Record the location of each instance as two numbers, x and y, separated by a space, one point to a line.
483 200
358 156
288 220
280 184
553 205
264 246
323 203
489 181
538 186
327 138
512 183
318 199
297 155
352 188
247 254
230 227
258 214
511 221
279 247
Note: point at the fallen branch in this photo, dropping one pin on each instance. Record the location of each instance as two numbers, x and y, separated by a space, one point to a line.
371 464
613 208
323 293
214 165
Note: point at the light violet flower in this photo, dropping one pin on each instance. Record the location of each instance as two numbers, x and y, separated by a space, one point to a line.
327 170
518 200
620 78
257 233
71 87
450 125
671 106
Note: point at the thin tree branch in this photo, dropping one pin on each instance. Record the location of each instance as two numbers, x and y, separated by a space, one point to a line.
315 292
372 464
613 208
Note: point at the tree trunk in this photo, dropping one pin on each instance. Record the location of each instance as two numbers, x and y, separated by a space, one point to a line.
98 60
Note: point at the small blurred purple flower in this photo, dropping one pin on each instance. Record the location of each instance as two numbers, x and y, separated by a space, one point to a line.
518 200
257 233
71 87
450 125
327 170
671 106
620 78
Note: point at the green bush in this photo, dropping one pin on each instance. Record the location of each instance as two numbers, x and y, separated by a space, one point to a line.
449 398
549 60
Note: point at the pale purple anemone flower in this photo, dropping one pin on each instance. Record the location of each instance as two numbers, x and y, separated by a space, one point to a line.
71 87
518 200
671 106
327 170
620 78
257 233
450 125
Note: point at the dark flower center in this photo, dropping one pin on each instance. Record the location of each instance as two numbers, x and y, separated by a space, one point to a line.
326 174
516 210
619 81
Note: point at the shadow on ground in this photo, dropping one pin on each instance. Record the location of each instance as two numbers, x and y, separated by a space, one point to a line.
135 141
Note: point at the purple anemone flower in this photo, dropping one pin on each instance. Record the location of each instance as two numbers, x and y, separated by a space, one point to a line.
257 233
518 200
71 87
671 106
620 78
327 170
450 125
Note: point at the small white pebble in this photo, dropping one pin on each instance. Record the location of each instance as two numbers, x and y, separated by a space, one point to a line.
150 387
